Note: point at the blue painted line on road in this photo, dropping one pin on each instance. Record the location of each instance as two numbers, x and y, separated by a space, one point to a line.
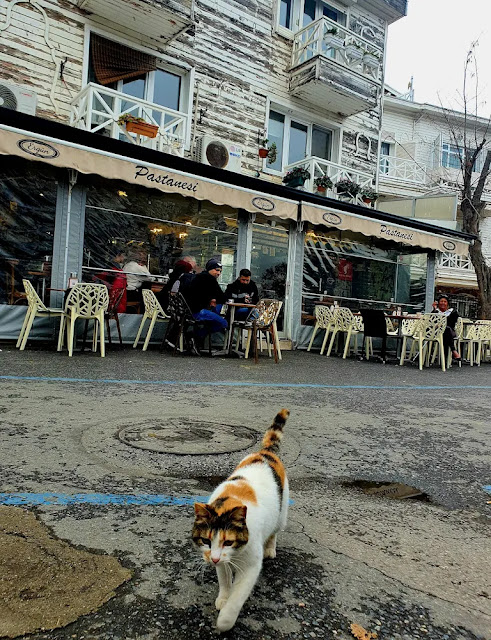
226 383
38 499
64 499
487 488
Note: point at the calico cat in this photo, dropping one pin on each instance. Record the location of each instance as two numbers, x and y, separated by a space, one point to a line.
238 526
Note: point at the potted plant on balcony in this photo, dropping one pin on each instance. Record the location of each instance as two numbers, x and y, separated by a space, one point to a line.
272 153
332 39
371 59
368 195
323 183
138 125
296 177
347 189
353 51
263 149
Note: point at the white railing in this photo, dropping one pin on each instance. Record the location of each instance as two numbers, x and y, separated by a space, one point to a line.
455 261
327 38
97 109
402 170
317 167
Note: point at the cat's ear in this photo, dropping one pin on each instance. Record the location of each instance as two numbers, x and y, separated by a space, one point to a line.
201 510
238 514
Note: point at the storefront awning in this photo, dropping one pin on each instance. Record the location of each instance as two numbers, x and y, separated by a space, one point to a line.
88 160
329 217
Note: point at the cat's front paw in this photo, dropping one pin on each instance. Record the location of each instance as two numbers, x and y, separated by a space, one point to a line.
220 602
226 620
269 553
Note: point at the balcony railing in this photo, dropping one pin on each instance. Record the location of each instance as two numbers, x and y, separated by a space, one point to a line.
454 261
97 109
402 170
318 167
327 38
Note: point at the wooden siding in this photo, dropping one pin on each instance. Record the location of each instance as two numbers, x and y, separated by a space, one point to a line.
240 64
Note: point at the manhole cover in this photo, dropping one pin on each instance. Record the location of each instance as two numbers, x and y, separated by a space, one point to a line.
387 489
187 437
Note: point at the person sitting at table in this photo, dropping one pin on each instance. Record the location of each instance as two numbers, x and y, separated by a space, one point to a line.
242 290
449 335
205 297
138 277
115 279
184 272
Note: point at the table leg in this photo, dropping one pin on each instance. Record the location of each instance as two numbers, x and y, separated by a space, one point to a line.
231 324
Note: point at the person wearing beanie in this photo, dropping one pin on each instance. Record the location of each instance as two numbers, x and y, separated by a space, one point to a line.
205 297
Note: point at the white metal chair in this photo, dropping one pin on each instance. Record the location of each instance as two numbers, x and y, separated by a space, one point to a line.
324 319
409 329
154 312
477 337
346 322
90 302
268 312
35 309
430 330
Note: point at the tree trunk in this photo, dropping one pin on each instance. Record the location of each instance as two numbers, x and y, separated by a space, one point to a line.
483 271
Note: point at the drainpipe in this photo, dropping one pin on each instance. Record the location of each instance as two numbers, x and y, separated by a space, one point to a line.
380 120
195 121
72 181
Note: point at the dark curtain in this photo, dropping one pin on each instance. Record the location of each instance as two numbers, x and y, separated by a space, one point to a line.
113 61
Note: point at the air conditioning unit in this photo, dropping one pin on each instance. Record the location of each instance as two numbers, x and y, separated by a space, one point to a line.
218 153
18 98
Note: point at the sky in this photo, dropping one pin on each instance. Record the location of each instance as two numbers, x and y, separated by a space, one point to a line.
431 44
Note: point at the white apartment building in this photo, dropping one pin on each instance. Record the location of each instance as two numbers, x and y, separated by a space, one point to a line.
208 81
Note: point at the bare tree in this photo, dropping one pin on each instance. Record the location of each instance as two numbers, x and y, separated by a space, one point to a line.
471 142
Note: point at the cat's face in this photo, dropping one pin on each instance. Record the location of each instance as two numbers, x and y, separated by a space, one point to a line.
219 535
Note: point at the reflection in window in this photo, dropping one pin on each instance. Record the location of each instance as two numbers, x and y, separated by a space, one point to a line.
286 7
353 271
162 227
27 226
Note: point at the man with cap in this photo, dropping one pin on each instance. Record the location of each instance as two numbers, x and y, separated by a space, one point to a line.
205 296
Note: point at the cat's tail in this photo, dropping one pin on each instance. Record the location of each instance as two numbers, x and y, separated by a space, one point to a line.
272 437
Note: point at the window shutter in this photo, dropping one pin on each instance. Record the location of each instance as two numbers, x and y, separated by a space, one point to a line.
113 61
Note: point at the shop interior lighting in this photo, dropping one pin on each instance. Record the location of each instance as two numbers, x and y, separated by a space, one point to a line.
123 194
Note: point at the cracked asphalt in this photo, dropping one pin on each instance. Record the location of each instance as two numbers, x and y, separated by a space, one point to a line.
406 569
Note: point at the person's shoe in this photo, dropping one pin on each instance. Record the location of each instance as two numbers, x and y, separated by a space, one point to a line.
169 344
456 355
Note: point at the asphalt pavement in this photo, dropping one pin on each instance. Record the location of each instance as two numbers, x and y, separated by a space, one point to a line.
81 434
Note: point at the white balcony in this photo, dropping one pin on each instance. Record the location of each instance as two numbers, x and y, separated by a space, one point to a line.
97 109
454 270
318 167
336 68
394 169
160 20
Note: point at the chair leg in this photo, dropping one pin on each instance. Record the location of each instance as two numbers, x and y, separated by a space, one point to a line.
24 325
150 330
442 352
108 329
346 346
403 351
313 336
61 333
334 333
277 340
116 317
27 330
254 343
101 327
71 335
248 343
95 334
84 338
275 347
421 354
324 342
268 343
137 339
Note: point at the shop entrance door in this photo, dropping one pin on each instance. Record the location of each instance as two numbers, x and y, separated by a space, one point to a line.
269 261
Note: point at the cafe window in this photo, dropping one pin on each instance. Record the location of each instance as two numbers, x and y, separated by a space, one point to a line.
157 227
360 272
27 226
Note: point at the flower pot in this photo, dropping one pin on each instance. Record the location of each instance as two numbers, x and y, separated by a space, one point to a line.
333 42
263 153
366 200
142 129
353 53
321 190
295 182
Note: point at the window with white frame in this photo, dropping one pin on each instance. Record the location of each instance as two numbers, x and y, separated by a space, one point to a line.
452 154
296 14
296 139
163 85
385 152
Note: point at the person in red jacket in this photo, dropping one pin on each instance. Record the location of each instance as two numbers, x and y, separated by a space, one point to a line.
115 280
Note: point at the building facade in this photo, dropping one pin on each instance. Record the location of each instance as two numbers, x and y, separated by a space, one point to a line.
137 126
